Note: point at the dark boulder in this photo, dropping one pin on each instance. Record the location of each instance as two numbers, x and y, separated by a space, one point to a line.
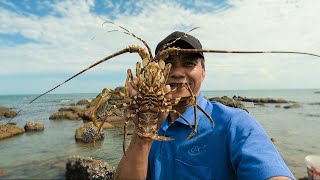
88 168
83 102
261 100
294 105
229 102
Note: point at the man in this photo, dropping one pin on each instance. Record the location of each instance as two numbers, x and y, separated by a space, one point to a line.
236 147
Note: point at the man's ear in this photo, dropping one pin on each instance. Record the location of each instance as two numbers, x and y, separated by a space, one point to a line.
203 73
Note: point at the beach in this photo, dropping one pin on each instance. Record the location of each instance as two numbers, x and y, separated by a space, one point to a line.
43 154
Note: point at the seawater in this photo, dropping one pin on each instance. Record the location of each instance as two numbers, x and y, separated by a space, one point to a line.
43 154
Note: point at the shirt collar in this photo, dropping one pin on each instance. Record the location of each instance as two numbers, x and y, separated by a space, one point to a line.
189 113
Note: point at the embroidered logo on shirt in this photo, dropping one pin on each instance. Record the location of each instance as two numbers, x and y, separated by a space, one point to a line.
196 150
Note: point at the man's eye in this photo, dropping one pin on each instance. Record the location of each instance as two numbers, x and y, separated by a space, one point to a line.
190 64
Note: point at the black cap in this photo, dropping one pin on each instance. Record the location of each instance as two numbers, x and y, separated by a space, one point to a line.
185 41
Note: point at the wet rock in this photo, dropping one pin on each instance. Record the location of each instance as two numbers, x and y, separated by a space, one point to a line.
34 126
6 113
229 102
73 109
90 135
64 115
277 106
83 102
273 139
9 130
3 172
317 92
294 105
303 178
72 113
72 104
88 168
259 104
86 133
313 115
261 100
316 103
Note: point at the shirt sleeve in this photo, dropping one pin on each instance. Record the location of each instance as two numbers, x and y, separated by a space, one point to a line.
252 154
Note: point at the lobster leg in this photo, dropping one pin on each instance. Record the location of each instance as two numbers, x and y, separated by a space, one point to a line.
194 104
125 132
206 114
104 92
95 108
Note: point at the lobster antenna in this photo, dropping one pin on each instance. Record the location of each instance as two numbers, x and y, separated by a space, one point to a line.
165 46
84 70
191 51
126 31
177 39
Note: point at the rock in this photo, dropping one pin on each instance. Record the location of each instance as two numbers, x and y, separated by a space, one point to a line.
73 109
229 102
119 89
64 115
72 104
33 126
303 178
87 132
313 115
273 139
3 172
88 168
277 106
316 103
261 100
259 104
317 92
90 135
83 102
294 105
71 112
6 112
9 130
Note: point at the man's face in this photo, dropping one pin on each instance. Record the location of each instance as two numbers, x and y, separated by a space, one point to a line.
185 68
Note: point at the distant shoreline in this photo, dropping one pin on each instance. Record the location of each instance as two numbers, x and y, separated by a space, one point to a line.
217 90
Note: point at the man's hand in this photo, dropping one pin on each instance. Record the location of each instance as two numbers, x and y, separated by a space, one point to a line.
134 164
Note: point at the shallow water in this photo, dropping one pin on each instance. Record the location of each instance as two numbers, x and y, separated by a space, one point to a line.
44 154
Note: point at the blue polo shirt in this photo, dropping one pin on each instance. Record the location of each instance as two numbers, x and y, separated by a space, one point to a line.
237 147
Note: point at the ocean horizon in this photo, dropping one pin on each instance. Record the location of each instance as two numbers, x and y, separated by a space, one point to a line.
43 154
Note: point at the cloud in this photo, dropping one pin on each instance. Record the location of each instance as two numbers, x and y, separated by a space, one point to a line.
70 37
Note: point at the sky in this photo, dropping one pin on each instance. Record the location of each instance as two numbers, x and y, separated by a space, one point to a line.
43 43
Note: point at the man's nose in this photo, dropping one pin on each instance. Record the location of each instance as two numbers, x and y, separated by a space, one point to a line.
177 72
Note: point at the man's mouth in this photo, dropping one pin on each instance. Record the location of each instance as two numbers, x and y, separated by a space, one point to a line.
176 85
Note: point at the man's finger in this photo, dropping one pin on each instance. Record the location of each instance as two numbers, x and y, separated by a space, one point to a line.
131 90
